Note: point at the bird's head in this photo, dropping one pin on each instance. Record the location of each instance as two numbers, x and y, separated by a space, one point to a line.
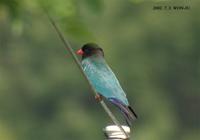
90 49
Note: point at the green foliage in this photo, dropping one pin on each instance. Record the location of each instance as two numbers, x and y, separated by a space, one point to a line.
12 6
155 55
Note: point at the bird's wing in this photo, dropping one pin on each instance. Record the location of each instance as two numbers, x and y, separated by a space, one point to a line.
104 80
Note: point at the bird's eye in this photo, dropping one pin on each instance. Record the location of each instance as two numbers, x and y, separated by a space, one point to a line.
87 51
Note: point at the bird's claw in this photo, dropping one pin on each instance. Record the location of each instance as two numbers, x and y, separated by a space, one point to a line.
98 98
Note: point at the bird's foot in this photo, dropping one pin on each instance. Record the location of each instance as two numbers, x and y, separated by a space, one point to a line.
98 98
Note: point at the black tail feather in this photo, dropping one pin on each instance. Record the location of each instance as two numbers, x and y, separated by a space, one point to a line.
131 109
127 111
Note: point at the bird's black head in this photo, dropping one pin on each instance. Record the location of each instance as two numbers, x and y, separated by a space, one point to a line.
90 49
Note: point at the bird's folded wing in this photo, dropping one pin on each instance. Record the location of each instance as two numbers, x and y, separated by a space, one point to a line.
104 80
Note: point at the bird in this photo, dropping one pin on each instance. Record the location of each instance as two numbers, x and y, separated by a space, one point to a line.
104 80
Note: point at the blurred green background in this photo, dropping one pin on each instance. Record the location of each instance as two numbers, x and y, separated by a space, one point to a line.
155 54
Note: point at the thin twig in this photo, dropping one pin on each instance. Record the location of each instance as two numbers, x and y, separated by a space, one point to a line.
69 48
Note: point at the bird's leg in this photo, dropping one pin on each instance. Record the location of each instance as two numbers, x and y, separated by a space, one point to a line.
98 97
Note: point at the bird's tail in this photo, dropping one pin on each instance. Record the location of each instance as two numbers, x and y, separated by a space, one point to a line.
128 113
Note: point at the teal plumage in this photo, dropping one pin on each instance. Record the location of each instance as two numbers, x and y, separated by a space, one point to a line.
104 80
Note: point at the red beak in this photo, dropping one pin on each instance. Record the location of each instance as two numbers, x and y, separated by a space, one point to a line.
80 52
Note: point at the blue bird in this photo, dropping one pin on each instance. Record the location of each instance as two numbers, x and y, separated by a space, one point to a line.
104 80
